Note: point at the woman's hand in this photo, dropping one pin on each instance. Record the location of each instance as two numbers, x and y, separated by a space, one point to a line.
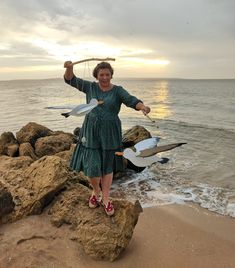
141 107
145 110
68 64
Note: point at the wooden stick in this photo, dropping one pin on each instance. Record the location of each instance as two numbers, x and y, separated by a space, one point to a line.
93 59
153 121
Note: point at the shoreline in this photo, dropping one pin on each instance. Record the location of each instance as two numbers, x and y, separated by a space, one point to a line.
165 236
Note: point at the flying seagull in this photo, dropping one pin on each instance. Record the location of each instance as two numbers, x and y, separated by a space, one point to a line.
144 153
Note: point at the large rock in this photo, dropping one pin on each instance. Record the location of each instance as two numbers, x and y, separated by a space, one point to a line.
31 132
102 237
9 164
26 149
67 155
53 144
35 186
8 144
135 135
6 201
31 186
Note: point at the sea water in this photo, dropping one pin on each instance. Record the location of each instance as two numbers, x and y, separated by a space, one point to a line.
198 112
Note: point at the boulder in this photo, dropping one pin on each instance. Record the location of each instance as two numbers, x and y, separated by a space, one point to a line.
26 149
31 132
102 237
53 144
35 186
29 184
6 201
8 144
67 155
135 135
8 164
78 177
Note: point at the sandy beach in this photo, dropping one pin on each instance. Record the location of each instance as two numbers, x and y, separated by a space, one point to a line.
165 236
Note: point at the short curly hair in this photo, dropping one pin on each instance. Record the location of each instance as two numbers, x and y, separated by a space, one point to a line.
102 65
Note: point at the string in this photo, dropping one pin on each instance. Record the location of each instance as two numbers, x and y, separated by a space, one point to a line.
89 69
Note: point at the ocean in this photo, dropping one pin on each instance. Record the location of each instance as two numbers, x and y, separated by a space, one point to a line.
198 112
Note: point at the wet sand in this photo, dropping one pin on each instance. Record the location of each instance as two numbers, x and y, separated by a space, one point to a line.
165 236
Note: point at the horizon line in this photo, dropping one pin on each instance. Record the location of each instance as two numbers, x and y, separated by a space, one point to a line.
136 78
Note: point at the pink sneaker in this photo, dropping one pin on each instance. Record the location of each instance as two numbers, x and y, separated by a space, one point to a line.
109 209
93 202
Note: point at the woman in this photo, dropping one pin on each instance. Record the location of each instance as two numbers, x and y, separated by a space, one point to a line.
100 135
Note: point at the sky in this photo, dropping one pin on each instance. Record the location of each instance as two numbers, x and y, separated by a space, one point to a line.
148 38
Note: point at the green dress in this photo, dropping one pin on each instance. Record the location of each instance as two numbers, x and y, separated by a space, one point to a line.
101 133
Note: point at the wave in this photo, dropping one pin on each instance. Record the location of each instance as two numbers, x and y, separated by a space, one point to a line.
195 125
154 190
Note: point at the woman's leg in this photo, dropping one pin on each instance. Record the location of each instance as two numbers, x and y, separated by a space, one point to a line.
106 182
95 183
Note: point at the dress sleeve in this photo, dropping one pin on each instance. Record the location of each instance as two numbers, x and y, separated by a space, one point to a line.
80 84
127 99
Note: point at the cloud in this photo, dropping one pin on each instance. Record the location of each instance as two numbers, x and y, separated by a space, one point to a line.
185 32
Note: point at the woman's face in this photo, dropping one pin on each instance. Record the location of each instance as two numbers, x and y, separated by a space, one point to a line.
104 77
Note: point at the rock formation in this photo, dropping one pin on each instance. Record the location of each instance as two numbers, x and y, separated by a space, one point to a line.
34 174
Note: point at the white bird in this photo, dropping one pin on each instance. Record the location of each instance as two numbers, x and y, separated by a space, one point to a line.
78 110
62 107
145 152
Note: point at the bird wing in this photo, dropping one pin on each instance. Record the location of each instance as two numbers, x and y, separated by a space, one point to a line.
77 110
146 144
61 107
158 149
82 109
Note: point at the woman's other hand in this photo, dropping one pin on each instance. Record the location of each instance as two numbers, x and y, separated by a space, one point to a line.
69 70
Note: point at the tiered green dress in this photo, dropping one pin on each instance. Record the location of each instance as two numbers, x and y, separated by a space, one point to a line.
101 133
